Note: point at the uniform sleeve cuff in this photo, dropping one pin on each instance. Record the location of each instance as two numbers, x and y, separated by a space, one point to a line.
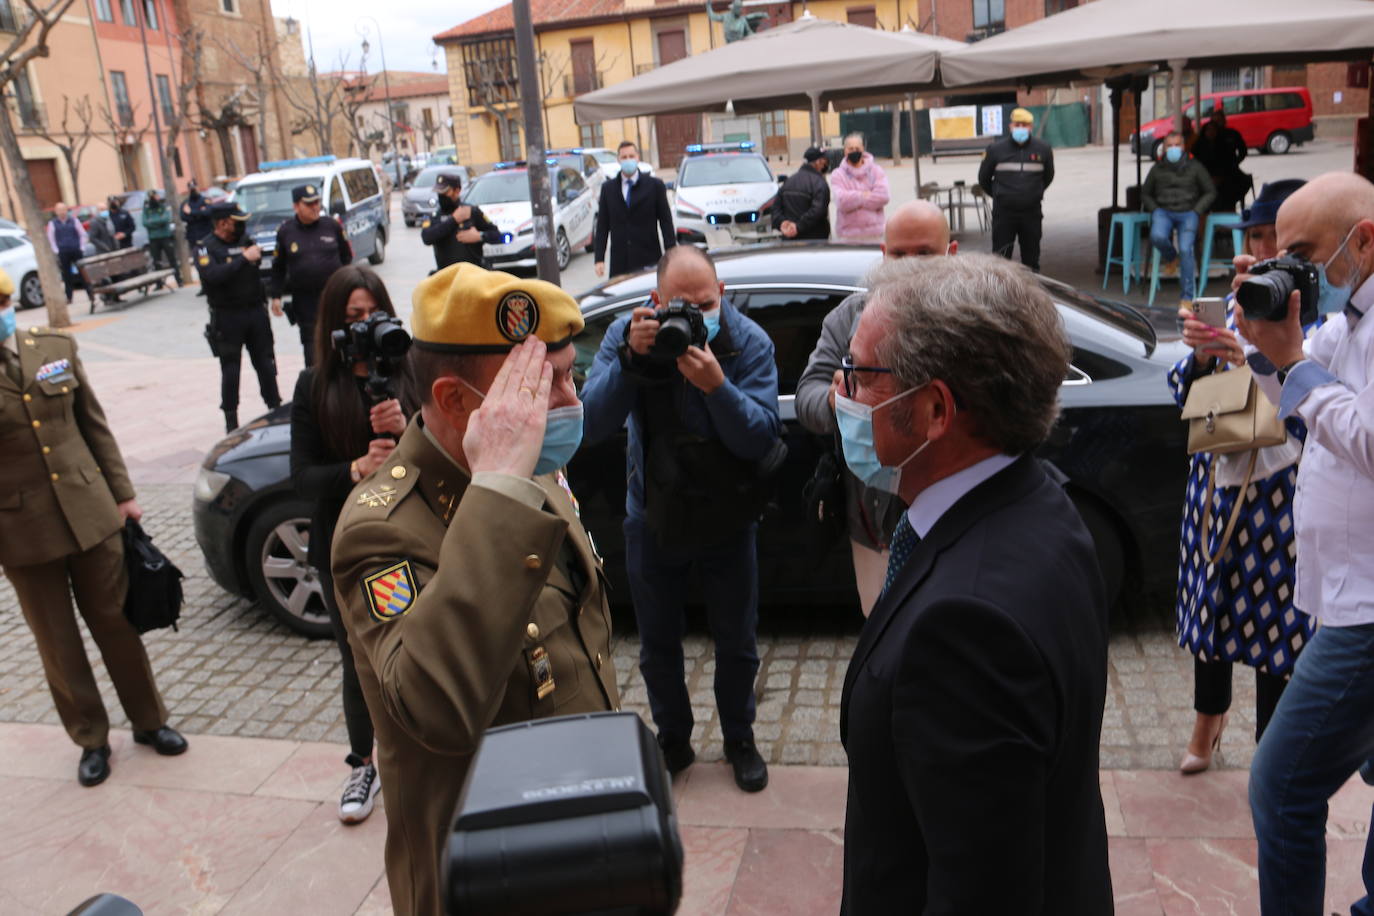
521 489
1302 378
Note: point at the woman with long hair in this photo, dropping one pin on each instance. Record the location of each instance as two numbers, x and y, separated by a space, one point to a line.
338 437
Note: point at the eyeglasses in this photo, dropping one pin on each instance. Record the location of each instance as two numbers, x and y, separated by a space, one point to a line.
848 368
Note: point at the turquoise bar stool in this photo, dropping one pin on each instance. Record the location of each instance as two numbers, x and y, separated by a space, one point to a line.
1154 278
1218 222
1132 257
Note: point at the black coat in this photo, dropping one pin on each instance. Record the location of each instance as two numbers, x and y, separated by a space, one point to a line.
971 713
805 200
634 230
1015 175
123 221
441 232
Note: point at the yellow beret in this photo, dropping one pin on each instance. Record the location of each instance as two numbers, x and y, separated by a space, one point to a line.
465 309
1021 114
6 284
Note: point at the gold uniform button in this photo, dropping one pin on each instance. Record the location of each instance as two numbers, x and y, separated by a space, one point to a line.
29 342
37 423
54 477
65 389
47 449
533 562
398 472
598 661
28 397
532 631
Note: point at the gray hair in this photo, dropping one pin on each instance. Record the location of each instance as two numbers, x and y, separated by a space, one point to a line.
857 135
984 327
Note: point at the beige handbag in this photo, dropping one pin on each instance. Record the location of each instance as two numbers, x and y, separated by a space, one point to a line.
1226 412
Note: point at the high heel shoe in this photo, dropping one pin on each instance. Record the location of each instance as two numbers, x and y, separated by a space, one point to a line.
1193 764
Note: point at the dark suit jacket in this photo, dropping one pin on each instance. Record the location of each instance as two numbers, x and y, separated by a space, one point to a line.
633 229
971 714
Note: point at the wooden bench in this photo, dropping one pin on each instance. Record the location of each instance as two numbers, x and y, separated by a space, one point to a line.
124 270
964 146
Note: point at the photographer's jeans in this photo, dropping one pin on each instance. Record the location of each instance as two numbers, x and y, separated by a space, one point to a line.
661 579
1163 223
1321 734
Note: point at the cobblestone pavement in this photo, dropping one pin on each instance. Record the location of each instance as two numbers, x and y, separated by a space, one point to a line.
233 670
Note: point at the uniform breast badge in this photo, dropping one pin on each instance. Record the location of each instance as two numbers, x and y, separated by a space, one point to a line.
390 592
377 497
541 671
58 370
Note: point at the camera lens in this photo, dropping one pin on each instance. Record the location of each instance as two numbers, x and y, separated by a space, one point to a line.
391 339
1264 297
673 337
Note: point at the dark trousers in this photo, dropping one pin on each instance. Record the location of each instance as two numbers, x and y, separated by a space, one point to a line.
236 329
1010 226
303 308
1212 692
99 580
71 278
660 578
163 253
357 719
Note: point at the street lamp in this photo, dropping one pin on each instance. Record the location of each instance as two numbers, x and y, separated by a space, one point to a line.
386 86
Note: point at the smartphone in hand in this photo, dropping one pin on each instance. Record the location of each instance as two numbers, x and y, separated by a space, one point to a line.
1211 311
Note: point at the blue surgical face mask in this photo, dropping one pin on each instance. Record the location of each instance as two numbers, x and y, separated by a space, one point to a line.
628 167
7 323
856 438
1173 153
562 435
1020 134
1333 298
712 321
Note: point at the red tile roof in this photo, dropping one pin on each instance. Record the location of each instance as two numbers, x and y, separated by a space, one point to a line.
544 12
408 89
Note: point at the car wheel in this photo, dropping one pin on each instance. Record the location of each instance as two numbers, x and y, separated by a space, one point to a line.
1111 555
378 249
282 579
410 223
1278 143
1157 149
564 250
31 291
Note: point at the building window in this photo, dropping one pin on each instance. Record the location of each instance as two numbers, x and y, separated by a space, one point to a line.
30 115
230 6
1058 6
128 12
1226 80
103 11
989 14
150 13
164 97
124 108
592 135
8 21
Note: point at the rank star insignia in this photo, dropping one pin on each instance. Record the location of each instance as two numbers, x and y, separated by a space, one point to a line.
377 497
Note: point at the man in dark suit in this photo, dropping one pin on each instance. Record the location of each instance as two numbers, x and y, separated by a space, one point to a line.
633 212
973 704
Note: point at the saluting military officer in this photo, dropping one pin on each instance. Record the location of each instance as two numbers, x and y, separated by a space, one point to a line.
238 317
64 495
471 593
310 247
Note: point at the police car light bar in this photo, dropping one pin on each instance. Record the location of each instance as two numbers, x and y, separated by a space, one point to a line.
293 163
696 149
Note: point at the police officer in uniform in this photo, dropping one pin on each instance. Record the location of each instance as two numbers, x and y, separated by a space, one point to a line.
229 275
64 493
310 247
1015 172
470 591
458 230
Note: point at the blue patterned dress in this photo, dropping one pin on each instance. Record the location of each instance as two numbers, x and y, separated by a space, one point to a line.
1241 609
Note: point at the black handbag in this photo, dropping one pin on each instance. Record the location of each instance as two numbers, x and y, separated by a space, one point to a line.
154 597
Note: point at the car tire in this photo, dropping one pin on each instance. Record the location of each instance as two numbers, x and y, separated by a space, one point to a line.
1278 143
31 291
378 249
1157 149
283 582
1107 543
410 223
564 250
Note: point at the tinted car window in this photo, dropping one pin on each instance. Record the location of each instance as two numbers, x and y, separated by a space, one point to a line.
792 319
1277 101
498 188
708 170
589 341
361 184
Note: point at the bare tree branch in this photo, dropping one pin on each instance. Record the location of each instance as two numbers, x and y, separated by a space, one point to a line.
72 138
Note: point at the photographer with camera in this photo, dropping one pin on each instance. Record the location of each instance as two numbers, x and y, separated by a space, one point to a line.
310 247
1323 728
697 381
340 433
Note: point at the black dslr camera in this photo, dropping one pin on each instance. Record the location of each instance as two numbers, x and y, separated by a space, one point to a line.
680 326
381 342
1264 295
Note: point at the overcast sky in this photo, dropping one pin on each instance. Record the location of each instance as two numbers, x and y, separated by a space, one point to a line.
408 27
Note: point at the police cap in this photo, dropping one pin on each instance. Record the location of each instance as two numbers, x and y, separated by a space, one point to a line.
448 181
226 209
466 309
308 193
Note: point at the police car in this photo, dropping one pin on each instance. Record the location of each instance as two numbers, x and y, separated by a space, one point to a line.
725 186
504 196
349 192
610 162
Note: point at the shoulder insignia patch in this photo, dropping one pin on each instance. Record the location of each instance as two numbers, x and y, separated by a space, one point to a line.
295 248
204 260
377 497
390 592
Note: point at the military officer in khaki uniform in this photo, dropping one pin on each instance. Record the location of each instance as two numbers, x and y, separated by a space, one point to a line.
471 593
64 494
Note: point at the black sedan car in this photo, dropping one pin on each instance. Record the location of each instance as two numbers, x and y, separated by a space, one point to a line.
1119 443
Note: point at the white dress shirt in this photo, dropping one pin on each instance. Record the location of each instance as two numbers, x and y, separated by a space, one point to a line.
1331 392
936 499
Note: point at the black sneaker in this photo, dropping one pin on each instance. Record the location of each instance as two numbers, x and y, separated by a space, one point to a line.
677 754
359 794
751 773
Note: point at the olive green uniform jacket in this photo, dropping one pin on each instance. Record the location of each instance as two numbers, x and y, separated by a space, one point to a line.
62 475
465 608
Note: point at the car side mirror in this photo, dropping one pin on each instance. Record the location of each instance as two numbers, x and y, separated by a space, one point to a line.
670 185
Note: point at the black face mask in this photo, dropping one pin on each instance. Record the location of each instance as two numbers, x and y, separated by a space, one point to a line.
236 231
855 157
447 204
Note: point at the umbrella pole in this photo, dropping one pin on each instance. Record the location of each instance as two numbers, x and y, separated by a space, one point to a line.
815 118
915 141
1176 92
1140 143
1116 144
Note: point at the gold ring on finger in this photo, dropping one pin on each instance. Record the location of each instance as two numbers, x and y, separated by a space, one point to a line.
527 393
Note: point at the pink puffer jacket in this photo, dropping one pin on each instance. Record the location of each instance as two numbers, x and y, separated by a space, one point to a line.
861 195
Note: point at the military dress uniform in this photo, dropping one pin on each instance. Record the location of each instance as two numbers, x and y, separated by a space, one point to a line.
60 485
304 258
469 602
238 315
